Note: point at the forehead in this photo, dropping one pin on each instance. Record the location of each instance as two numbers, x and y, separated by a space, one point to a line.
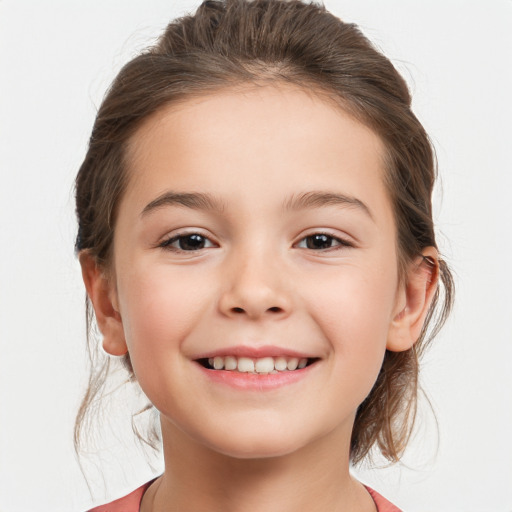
279 137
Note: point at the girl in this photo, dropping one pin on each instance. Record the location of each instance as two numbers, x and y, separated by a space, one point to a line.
256 240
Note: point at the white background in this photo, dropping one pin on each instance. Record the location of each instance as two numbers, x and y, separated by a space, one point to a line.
56 60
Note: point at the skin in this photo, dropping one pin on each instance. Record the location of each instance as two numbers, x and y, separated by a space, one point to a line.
255 282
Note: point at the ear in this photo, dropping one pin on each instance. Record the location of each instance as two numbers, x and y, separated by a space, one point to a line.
102 293
413 301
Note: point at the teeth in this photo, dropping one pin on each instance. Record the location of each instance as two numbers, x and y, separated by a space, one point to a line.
230 363
218 363
292 363
245 365
263 365
280 364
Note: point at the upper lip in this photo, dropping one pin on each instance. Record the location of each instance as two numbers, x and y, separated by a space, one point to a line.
255 352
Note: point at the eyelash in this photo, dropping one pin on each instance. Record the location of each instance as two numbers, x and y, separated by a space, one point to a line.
168 244
341 243
180 237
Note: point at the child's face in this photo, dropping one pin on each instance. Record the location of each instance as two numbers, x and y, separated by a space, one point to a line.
283 245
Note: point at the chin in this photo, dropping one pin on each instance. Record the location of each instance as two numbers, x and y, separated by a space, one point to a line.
260 435
255 450
261 443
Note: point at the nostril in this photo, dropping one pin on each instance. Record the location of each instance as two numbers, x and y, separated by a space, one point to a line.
274 309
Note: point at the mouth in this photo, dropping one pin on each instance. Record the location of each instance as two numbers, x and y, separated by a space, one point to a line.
256 366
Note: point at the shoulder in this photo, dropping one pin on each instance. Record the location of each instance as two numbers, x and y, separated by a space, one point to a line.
383 505
128 503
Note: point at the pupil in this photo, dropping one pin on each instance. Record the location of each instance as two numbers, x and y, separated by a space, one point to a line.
191 242
319 242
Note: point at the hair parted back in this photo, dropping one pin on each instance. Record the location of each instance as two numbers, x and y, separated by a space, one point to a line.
227 43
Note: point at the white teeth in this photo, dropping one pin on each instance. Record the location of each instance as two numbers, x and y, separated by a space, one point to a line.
218 363
280 364
230 363
263 365
292 363
245 365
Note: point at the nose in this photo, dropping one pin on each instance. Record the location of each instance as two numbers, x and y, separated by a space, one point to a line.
255 287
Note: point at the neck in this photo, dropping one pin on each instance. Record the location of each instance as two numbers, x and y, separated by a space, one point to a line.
196 478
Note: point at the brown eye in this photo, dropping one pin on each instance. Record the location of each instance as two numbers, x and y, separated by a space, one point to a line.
319 242
188 242
322 241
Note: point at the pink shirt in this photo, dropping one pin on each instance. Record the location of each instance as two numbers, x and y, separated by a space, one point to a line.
131 502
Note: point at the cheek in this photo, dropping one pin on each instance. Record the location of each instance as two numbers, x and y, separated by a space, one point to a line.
159 309
354 309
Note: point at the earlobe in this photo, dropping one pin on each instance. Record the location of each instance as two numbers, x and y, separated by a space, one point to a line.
415 298
102 294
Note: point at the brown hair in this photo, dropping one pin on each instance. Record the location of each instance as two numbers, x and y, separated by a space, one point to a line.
232 42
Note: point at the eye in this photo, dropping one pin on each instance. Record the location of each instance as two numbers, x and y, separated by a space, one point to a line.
187 242
322 241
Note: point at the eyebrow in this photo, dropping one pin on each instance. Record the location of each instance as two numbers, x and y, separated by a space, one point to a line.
202 201
194 200
316 199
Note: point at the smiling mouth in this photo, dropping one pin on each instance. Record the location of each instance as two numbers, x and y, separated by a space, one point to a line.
259 366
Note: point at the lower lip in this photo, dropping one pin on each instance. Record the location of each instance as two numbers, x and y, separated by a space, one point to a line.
257 382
